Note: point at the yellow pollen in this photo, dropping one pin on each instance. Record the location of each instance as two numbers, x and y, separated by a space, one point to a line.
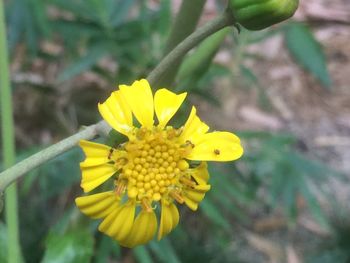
183 165
158 148
140 177
164 148
156 197
132 193
155 166
128 172
158 177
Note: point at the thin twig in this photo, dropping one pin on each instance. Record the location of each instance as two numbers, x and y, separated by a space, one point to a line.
21 168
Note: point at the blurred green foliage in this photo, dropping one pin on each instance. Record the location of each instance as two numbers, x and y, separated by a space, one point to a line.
273 174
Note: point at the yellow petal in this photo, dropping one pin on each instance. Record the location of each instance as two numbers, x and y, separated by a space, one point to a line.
140 99
93 176
216 146
118 224
143 229
193 128
98 205
200 173
175 215
193 196
201 188
191 204
96 153
169 219
166 104
116 112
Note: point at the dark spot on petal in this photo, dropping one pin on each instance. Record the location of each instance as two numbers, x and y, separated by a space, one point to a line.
217 151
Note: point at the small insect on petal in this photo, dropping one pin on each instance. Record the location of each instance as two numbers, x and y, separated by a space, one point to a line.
217 151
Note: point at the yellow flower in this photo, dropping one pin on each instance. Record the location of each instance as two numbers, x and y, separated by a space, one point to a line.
153 166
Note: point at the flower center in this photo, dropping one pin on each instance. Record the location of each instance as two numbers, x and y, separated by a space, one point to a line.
155 165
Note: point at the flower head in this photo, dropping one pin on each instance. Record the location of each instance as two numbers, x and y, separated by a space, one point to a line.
154 166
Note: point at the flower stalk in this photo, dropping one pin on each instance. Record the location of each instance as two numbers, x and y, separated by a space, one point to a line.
8 144
10 175
184 24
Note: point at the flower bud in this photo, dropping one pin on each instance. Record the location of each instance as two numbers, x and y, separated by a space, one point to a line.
260 14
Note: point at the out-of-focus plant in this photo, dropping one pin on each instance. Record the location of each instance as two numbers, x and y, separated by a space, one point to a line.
92 30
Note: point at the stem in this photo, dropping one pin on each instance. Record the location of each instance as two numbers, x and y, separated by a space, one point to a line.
226 19
8 141
15 172
185 23
50 152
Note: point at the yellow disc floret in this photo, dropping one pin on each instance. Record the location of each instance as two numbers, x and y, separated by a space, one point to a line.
155 166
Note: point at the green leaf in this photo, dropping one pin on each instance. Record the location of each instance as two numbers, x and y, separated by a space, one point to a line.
211 211
92 56
73 247
120 11
164 251
106 249
307 52
200 60
53 182
142 255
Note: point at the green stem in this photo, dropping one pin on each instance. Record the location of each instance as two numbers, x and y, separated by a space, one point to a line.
15 172
185 23
8 141
21 168
224 20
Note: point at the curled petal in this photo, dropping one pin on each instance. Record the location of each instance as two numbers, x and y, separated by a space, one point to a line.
216 146
193 127
96 153
166 104
93 176
140 99
118 224
169 219
117 113
143 229
200 173
193 196
98 205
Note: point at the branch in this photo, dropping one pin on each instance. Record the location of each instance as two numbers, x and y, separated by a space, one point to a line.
185 23
21 168
224 20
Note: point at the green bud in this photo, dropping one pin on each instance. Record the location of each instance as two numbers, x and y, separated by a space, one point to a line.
260 14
